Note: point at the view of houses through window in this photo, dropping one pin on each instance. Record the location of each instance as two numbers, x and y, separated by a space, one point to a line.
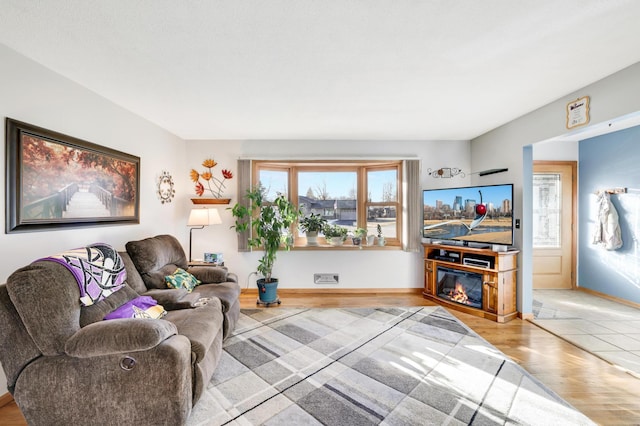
350 194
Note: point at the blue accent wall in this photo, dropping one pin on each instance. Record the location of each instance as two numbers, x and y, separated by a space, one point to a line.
610 161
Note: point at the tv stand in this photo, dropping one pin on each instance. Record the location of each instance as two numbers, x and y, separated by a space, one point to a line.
497 269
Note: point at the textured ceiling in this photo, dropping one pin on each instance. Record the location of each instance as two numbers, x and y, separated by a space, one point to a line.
341 69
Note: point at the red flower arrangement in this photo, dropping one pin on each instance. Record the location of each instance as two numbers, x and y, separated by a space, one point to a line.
213 184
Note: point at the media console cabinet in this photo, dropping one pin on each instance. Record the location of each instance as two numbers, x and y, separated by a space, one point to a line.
477 281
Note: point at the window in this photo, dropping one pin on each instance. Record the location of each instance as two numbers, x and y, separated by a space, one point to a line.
382 202
352 194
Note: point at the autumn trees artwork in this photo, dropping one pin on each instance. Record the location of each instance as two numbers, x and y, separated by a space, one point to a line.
63 180
48 167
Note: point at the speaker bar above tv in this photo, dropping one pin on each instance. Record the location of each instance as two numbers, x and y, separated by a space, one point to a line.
492 171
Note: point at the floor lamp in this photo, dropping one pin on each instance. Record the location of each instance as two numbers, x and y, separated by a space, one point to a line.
198 219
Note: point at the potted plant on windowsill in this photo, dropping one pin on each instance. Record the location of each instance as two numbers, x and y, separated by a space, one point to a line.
311 225
335 234
358 235
270 223
381 240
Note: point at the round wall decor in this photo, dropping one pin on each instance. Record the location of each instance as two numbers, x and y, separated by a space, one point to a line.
165 185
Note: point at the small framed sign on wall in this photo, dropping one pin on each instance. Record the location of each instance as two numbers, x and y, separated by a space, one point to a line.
578 112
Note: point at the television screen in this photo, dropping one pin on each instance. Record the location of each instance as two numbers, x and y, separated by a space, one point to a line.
478 214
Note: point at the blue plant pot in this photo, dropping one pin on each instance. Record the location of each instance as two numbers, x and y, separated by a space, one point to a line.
268 292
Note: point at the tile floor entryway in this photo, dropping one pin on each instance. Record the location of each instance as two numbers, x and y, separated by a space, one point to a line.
605 328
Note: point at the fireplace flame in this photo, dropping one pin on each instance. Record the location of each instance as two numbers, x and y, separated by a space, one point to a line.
458 294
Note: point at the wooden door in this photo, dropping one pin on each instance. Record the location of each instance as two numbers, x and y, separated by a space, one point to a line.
554 221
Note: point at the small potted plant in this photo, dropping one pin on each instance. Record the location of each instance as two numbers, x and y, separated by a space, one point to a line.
358 235
335 234
381 240
311 225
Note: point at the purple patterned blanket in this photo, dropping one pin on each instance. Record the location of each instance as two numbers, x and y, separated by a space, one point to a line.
98 269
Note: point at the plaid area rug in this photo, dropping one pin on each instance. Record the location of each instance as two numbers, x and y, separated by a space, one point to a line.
392 366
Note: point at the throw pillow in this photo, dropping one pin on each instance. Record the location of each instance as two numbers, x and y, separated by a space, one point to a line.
182 279
140 307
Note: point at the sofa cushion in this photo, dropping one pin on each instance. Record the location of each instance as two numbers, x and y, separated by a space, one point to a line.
97 268
120 336
182 279
156 257
18 347
227 292
48 290
174 298
201 325
97 311
209 274
133 276
142 307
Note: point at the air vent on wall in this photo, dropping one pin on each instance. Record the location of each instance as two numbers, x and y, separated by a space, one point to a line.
326 278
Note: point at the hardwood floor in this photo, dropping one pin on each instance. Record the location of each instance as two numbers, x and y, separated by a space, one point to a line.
596 388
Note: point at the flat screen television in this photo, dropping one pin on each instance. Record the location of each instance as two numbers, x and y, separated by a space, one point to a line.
482 215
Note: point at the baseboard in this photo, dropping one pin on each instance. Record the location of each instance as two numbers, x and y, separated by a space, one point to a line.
345 291
522 316
5 399
608 297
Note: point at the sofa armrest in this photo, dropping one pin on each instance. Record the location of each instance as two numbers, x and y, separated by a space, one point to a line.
209 274
174 298
118 336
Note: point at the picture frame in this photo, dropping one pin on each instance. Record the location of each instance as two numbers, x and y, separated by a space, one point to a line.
578 112
215 258
56 181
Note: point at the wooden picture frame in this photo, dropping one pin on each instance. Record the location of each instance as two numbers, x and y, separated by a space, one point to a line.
577 112
57 181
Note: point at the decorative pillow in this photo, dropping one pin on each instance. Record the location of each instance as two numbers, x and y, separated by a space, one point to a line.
140 307
182 279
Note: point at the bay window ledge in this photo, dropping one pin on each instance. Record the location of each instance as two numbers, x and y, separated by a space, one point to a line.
348 247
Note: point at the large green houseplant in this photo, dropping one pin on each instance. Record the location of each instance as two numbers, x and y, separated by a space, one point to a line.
270 223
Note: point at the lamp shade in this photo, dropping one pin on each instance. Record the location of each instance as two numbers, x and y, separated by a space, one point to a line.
214 217
198 217
204 217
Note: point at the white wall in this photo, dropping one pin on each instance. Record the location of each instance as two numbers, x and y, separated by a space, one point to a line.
357 269
33 94
556 151
610 98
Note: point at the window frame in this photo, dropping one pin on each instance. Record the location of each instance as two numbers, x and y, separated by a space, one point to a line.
361 167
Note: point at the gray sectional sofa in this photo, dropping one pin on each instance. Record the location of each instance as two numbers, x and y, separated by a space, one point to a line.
66 365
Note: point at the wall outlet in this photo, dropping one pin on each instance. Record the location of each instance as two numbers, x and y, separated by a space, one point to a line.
326 278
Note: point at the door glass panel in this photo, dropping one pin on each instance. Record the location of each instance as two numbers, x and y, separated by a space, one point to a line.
547 210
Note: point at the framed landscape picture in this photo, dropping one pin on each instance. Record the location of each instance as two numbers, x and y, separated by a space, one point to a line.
58 181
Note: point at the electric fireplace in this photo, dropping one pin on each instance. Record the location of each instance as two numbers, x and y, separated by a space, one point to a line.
460 286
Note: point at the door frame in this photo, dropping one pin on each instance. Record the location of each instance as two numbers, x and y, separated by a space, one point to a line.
574 211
